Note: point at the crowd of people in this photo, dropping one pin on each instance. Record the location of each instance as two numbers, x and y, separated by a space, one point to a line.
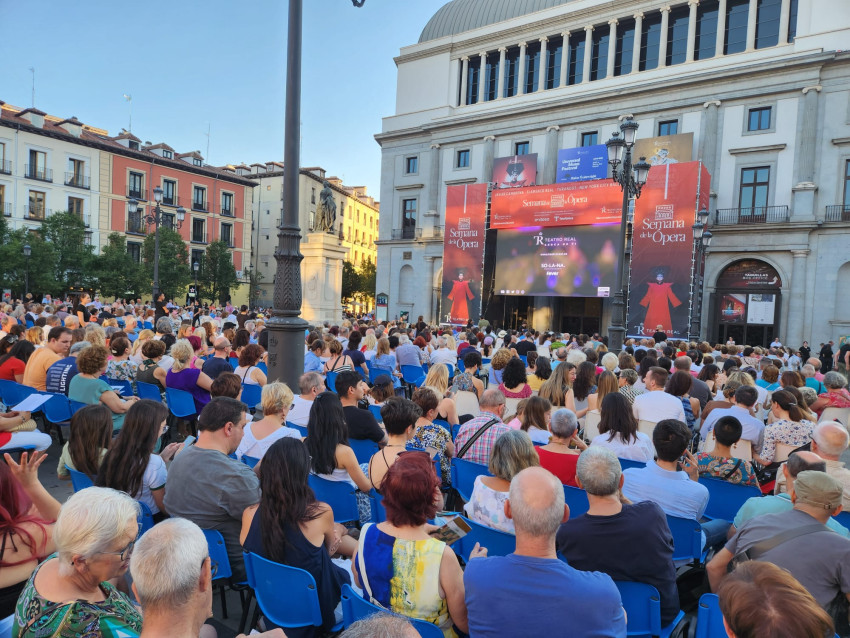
536 411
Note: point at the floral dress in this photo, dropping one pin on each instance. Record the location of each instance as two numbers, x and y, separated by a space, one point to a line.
437 437
725 469
121 370
487 507
787 432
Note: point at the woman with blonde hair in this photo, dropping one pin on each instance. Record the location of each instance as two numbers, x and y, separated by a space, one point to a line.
184 376
558 388
451 344
438 379
35 336
201 334
369 347
143 338
95 335
258 436
607 384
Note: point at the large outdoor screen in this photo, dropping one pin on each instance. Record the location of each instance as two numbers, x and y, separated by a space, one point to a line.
570 261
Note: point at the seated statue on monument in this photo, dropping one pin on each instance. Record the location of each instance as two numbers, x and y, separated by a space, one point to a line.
326 217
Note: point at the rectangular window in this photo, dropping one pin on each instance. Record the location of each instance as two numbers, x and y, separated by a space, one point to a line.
199 198
408 218
3 210
706 33
846 200
555 55
590 138
624 48
677 36
36 209
133 145
76 173
767 23
473 71
736 26
599 57
670 127
168 221
511 72
576 59
532 67
199 230
792 21
37 167
491 77
135 187
227 204
411 165
135 251
197 257
759 119
169 192
463 158
522 148
650 42
167 154
75 206
227 234
755 184
197 162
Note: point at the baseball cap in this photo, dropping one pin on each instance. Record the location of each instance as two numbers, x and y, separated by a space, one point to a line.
818 489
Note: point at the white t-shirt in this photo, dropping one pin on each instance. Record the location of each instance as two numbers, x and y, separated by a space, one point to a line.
300 412
257 447
657 406
641 450
444 355
153 479
539 436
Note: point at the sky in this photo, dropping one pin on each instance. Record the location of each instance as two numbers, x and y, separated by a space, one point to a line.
192 64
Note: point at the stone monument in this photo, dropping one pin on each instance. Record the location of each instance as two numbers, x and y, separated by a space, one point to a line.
321 272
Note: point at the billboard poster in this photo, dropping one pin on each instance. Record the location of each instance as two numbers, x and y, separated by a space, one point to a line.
463 253
761 308
749 273
516 171
665 150
582 164
733 307
570 204
663 250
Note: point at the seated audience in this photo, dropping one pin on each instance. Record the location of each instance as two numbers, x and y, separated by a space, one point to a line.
247 368
535 419
606 384
438 379
220 361
720 463
381 390
679 385
226 384
836 395
513 451
57 346
362 424
310 384
468 381
655 404
524 593
259 435
492 409
184 376
14 362
830 440
789 427
743 403
69 594
583 387
559 456
627 379
120 366
429 435
514 383
87 386
618 431
399 416
149 370
90 438
626 541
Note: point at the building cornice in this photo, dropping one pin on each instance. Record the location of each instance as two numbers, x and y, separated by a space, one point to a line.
767 148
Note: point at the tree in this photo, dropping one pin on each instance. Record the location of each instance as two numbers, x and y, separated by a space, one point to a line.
254 278
350 281
40 266
217 274
116 273
72 266
174 273
368 278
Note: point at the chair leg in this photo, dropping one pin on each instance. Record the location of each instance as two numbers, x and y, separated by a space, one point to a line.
223 601
246 607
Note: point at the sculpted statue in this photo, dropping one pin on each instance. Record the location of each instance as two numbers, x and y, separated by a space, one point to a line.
326 215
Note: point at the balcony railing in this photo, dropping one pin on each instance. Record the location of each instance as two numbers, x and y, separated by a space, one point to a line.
755 215
137 193
6 167
174 200
199 238
201 206
77 180
229 212
838 213
409 232
6 207
136 225
38 172
435 232
37 213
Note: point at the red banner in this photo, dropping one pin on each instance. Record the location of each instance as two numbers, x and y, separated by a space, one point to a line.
663 250
570 204
463 253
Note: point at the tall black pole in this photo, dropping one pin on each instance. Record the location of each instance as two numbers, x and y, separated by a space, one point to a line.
157 218
617 329
286 327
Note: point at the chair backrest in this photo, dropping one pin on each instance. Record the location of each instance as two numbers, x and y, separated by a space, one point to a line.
511 406
743 449
497 542
413 375
460 365
6 626
355 607
148 391
218 554
250 461
687 538
709 618
643 608
263 367
379 514
577 500
295 426
7 389
180 403
842 415
524 359
646 427
466 403
339 495
783 451
725 498
363 449
376 412
75 406
444 424
145 518
79 481
286 595
251 395
843 518
14 393
591 424
628 463
126 387
56 409
464 474
374 373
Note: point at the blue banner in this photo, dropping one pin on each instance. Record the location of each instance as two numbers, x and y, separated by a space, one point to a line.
582 164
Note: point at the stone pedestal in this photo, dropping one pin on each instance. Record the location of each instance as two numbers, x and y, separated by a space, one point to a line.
321 278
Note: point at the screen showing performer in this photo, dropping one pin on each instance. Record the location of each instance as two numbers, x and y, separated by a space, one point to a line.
658 300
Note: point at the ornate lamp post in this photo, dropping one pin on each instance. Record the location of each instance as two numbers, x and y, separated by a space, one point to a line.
155 219
27 253
631 182
702 238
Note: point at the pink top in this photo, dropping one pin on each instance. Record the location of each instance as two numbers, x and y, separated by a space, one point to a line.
522 394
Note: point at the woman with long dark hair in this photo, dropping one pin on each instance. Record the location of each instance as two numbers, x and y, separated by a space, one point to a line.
291 527
91 435
618 430
514 380
131 466
13 363
584 386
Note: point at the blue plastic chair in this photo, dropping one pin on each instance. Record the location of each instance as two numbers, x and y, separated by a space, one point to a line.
145 518
250 461
524 359
56 409
379 514
75 406
148 391
363 449
709 618
643 610
628 463
301 428
263 367
30 323
577 500
180 403
376 412
13 392
444 423
79 481
7 391
455 430
339 495
413 375
355 607
687 538
725 498
330 381
374 373
148 325
461 366
126 386
497 542
843 518
251 395
6 626
287 596
220 564
464 474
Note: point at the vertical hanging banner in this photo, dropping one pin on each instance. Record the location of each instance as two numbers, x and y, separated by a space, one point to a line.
663 250
463 253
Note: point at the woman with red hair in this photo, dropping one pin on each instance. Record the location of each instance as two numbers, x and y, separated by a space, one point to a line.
27 514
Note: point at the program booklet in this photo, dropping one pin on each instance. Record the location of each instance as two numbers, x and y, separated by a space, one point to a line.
453 530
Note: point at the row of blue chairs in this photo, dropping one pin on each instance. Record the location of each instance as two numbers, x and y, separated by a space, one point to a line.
80 481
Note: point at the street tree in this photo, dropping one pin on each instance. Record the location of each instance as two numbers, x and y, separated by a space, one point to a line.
72 266
217 275
174 272
350 281
117 273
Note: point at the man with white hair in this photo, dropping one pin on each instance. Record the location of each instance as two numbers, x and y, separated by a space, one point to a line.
172 579
829 441
406 353
310 385
524 593
628 542
443 354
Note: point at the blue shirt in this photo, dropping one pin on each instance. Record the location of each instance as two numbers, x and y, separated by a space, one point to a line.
544 585
59 375
675 492
312 363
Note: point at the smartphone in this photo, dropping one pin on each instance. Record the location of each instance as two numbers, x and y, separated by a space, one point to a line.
188 440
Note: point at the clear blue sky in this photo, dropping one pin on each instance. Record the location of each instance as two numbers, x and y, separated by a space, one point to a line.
188 64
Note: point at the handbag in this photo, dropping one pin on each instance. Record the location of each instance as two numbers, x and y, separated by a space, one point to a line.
26 426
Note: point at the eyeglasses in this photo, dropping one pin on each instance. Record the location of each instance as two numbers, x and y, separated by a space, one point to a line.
163 430
124 553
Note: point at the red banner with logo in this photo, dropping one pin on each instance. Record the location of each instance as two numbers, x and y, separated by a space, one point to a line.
570 204
463 253
662 258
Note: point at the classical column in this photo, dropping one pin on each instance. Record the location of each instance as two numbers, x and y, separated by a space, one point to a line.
550 162
489 155
752 20
588 53
784 18
500 90
483 70
612 47
638 38
520 72
565 58
434 180
541 81
662 42
793 327
692 29
803 193
464 77
708 140
721 29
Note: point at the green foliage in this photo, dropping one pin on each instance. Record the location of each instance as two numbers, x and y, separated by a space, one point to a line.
116 272
350 280
73 256
358 283
368 278
254 279
174 272
217 275
14 265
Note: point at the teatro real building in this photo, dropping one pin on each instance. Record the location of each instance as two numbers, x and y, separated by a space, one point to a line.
755 93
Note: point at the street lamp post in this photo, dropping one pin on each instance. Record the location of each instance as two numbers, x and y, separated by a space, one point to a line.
631 182
702 238
155 219
195 267
27 253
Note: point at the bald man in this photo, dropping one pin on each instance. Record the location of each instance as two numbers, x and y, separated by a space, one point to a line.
830 439
527 593
220 361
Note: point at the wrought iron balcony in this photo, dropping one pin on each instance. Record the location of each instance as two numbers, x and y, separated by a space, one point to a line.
754 215
838 213
38 172
174 200
200 206
136 224
78 181
137 193
7 209
229 212
408 232
35 212
6 167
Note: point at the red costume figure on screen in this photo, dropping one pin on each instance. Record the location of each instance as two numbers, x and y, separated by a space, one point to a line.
657 302
459 295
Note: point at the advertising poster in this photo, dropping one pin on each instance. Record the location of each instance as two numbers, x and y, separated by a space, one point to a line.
761 308
733 308
463 253
665 150
663 251
582 164
749 273
516 171
575 203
